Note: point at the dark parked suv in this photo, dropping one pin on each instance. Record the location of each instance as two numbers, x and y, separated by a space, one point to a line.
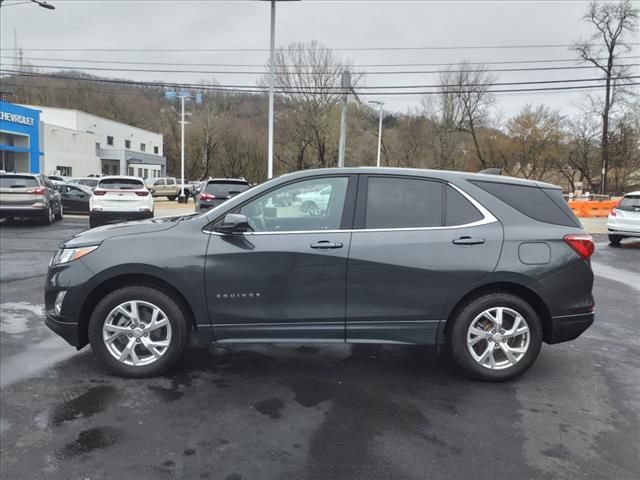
218 190
489 266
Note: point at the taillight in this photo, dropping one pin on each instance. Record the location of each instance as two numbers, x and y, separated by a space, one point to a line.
37 191
207 196
142 194
613 211
99 192
582 244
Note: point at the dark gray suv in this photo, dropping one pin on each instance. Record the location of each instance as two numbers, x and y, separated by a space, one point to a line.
488 266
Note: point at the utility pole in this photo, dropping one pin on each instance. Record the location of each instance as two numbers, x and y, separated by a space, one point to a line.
346 85
272 79
181 198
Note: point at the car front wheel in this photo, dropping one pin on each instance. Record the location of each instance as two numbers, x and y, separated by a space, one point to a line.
496 337
138 331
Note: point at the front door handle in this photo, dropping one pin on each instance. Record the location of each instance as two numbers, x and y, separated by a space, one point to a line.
468 241
326 244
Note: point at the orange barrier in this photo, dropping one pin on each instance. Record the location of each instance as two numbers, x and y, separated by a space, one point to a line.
592 209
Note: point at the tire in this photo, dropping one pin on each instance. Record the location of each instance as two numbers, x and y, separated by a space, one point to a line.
615 240
309 207
503 369
94 222
60 214
171 198
174 334
48 217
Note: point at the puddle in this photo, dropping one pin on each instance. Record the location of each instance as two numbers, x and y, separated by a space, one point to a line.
94 400
15 315
89 441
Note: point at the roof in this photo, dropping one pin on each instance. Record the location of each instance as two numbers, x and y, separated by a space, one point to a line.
439 174
118 177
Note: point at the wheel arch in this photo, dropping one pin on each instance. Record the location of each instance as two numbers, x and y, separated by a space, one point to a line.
123 280
531 297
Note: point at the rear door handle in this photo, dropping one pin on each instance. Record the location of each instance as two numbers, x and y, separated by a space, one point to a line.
326 244
468 241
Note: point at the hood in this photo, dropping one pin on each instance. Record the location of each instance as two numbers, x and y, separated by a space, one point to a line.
98 235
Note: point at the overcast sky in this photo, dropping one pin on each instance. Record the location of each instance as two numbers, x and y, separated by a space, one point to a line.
158 24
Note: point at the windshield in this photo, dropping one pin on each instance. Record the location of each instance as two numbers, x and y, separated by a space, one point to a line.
17 181
225 189
121 184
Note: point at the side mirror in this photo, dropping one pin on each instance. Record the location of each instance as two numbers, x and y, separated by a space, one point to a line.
233 223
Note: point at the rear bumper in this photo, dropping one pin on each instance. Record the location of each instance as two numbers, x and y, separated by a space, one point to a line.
109 216
15 211
569 327
623 233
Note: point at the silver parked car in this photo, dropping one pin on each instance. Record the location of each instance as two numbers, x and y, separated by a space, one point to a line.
29 195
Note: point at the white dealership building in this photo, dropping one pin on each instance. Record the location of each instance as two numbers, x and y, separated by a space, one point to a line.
77 144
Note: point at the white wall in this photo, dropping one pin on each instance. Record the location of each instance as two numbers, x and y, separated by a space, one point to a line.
70 148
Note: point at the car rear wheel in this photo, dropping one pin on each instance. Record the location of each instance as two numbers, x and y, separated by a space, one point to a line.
138 331
60 214
94 222
496 337
48 217
171 198
615 239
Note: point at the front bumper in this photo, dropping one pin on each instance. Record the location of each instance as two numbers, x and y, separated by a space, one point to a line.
569 327
67 330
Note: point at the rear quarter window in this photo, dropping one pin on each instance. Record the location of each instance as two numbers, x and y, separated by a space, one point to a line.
18 181
121 184
543 204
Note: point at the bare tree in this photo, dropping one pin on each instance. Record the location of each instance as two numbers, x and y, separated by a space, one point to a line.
583 150
465 102
308 80
611 21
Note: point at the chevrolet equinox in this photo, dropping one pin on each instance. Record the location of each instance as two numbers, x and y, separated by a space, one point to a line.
488 266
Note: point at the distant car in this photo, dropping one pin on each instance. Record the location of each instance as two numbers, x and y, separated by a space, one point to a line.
118 198
90 182
315 202
624 218
58 178
75 198
219 190
29 195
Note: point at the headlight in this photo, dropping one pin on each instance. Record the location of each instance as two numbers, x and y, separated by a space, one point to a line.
66 255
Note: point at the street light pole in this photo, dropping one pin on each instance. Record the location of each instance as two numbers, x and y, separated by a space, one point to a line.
381 105
181 199
272 74
40 3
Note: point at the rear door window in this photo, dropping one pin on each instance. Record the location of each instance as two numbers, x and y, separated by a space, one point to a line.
403 203
459 210
121 184
226 189
18 181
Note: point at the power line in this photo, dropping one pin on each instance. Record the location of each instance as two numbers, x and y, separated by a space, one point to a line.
378 87
260 65
221 88
281 72
351 49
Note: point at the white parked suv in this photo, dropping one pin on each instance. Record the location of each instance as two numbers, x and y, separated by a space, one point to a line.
624 218
119 198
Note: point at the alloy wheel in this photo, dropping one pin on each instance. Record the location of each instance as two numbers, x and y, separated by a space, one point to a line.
498 338
137 333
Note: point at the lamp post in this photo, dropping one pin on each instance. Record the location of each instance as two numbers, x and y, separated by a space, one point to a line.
272 78
381 105
183 96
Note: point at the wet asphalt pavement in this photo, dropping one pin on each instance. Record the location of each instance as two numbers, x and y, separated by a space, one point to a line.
315 412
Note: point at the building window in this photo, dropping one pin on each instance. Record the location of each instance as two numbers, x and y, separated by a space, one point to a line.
97 149
127 144
143 147
131 171
156 150
109 140
64 171
146 173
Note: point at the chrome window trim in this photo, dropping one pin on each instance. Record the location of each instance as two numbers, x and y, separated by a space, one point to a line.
488 218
